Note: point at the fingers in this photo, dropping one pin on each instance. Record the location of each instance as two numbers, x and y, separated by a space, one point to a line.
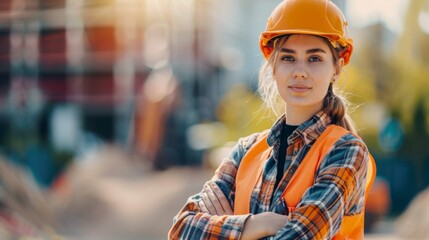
203 206
215 202
207 202
223 201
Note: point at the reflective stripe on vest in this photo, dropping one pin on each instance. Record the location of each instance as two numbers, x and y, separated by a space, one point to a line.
250 172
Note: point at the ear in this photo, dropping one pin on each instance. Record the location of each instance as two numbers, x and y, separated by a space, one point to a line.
339 66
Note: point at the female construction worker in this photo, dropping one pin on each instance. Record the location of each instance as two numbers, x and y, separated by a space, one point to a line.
307 176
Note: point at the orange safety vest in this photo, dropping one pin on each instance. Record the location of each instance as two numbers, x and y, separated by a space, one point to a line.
250 172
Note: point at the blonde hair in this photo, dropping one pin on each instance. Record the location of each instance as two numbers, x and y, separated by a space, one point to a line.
335 105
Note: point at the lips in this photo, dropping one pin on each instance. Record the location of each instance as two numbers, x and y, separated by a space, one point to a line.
299 88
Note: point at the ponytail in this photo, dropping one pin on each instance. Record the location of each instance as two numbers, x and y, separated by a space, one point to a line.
336 107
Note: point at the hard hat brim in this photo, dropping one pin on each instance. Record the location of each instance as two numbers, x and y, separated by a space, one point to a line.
266 39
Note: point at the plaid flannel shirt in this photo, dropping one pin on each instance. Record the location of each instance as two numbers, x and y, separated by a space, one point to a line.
338 190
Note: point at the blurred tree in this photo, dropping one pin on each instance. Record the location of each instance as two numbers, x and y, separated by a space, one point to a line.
416 141
408 95
390 76
411 64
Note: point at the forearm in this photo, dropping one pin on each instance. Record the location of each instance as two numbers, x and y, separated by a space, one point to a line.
190 225
312 222
209 214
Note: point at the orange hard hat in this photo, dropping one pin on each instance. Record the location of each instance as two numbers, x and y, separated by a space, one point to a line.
316 17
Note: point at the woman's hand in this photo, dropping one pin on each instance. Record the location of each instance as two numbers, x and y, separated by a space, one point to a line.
257 226
214 201
263 225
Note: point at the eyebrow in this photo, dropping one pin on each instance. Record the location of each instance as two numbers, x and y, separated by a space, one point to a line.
313 50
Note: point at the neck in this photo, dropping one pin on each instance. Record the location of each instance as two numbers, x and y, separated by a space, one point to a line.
296 115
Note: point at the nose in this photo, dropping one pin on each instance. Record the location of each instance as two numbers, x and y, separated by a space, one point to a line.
300 72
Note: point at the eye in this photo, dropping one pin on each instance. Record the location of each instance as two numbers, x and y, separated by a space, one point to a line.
315 59
288 58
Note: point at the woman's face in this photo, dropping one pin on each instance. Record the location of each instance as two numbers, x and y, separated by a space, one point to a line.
303 70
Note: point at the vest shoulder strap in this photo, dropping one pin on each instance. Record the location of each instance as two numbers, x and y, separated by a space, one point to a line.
249 172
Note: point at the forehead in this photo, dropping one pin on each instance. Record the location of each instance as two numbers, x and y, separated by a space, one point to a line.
305 41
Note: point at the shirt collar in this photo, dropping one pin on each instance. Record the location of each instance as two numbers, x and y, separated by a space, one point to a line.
308 131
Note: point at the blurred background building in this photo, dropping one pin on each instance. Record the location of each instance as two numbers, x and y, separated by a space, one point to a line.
75 74
173 80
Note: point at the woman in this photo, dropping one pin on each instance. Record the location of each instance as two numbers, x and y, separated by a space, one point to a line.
306 177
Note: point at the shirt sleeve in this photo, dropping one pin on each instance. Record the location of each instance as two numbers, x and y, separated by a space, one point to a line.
339 190
199 218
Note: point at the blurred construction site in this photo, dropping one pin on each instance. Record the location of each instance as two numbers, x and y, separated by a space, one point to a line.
113 112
